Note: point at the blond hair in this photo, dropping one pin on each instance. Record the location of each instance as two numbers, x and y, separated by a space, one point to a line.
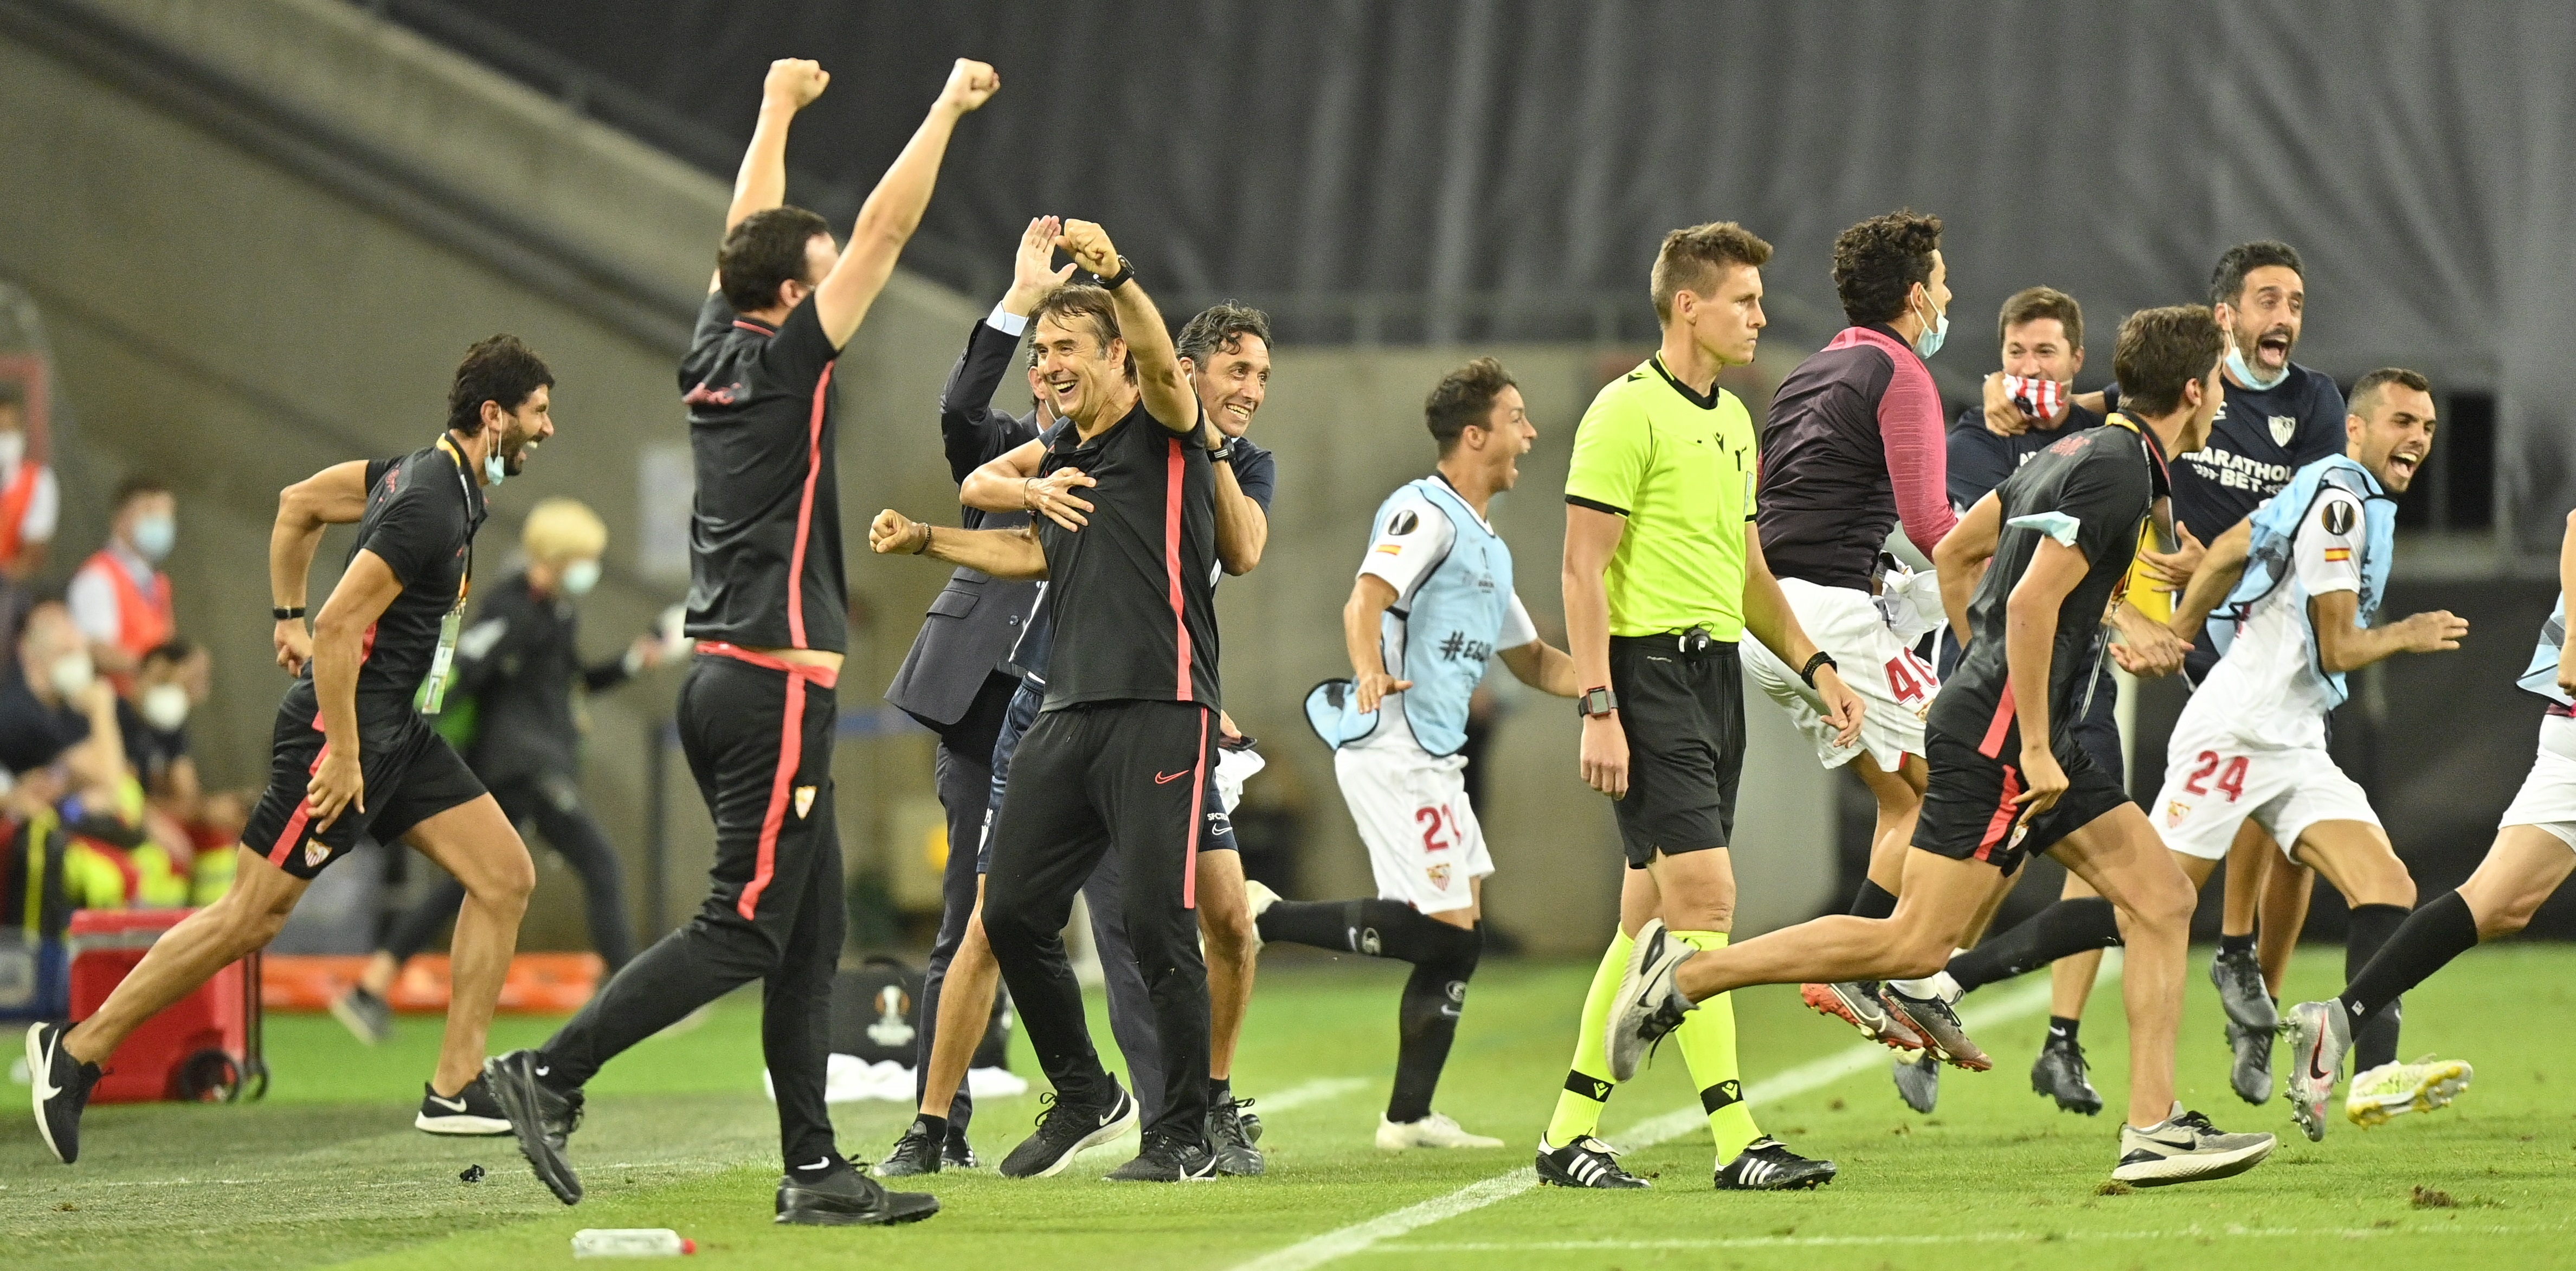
561 530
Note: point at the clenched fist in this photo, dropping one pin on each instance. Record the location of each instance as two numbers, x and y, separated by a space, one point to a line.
794 82
970 85
893 532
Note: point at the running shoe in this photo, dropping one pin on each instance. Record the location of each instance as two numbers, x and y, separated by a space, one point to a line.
2320 1035
1942 1032
61 1088
2186 1148
912 1155
1231 1139
1767 1165
472 1111
2251 1075
1585 1162
2394 1089
1433 1130
847 1198
542 1119
1855 1002
1647 1007
958 1153
2059 1073
1168 1158
2241 991
369 1017
1064 1129
1918 1082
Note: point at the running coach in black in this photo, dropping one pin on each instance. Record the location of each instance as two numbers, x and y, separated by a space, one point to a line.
352 754
1119 758
768 606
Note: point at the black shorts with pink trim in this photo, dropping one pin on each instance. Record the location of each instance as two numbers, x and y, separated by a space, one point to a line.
758 732
411 775
1968 808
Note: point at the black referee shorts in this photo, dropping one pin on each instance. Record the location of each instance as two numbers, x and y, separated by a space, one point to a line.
1968 809
1683 713
412 774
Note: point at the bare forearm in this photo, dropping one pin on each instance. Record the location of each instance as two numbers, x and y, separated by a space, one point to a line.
1242 530
2030 634
893 210
988 490
1012 554
291 545
1363 617
761 183
1768 617
1543 667
1167 393
1587 626
336 654
2210 584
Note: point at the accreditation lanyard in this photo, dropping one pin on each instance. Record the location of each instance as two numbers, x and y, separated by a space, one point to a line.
432 694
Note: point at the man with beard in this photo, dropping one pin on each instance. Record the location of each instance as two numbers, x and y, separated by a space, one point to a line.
352 753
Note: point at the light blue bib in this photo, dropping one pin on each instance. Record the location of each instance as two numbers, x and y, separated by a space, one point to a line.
2269 562
1443 638
2542 675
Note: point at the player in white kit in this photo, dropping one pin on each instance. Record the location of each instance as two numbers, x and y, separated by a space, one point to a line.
1432 605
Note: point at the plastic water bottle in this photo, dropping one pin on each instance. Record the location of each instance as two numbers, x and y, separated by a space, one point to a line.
630 1242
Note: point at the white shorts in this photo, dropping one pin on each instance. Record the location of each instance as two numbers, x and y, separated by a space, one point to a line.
1895 686
1423 841
2548 796
2214 782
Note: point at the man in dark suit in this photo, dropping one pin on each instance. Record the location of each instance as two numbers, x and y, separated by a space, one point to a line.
953 681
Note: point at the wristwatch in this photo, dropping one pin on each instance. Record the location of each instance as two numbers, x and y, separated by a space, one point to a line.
1126 274
1596 702
1822 659
1223 451
285 612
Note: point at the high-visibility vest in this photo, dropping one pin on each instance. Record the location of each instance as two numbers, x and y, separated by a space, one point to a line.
21 491
143 618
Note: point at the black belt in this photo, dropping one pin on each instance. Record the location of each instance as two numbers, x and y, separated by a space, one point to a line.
1695 642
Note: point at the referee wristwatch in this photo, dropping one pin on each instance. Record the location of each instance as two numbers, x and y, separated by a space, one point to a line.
1597 702
1821 660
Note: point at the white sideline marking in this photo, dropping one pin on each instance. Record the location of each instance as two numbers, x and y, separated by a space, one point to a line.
1981 1237
1360 1237
1319 1090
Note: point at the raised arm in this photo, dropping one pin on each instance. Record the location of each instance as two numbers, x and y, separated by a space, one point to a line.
1011 553
336 495
761 184
1168 395
969 427
893 210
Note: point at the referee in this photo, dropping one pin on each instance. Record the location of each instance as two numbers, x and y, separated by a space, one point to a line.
1663 574
768 606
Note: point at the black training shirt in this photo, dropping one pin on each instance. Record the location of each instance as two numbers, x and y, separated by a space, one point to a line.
2105 480
765 530
518 661
422 511
1132 595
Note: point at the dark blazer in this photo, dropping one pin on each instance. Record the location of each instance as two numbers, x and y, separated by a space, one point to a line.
971 626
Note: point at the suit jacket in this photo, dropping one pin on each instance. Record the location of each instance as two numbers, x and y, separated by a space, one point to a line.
976 617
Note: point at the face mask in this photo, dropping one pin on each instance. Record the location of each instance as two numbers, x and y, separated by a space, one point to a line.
13 447
1934 332
165 707
154 535
2245 375
72 673
580 576
2038 398
495 469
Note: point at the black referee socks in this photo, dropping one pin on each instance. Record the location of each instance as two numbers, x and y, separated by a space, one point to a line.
2067 927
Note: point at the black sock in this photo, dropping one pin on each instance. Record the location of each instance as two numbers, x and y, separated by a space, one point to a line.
814 1173
2369 930
1433 998
2236 944
1220 1090
2424 943
1376 928
2069 926
1872 901
2062 1029
553 1077
935 1127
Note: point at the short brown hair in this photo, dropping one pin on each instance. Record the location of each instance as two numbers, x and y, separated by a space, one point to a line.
1877 263
765 249
1464 397
2160 350
2030 304
1083 301
1691 259
1220 328
2377 382
502 369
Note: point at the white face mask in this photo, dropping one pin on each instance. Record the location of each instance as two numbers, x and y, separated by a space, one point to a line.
580 576
13 447
165 707
72 673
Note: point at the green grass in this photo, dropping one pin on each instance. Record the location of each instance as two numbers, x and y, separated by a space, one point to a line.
327 1170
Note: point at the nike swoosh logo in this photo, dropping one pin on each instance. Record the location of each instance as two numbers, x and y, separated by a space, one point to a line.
543 1070
818 1164
452 1105
45 1087
1167 778
2315 1073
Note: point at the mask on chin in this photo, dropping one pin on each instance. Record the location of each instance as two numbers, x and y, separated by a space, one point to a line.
495 468
1934 332
2247 376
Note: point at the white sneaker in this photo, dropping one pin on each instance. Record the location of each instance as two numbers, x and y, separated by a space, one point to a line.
2395 1089
1434 1130
1258 898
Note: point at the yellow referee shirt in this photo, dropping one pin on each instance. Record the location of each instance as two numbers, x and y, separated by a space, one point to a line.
1680 468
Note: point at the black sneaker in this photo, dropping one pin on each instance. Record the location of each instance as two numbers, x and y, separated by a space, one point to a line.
957 1153
363 1013
913 1155
1939 1025
542 1119
2059 1073
1585 1162
1167 1158
2251 1074
62 1089
1064 1129
847 1198
472 1111
2241 991
1918 1082
1767 1165
1232 1140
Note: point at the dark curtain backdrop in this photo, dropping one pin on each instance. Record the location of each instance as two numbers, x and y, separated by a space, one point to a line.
1468 170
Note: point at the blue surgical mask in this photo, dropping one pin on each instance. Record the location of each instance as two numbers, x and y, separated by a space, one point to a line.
154 536
2243 374
580 576
495 469
1934 332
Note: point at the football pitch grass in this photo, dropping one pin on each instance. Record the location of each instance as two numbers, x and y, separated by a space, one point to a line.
327 1171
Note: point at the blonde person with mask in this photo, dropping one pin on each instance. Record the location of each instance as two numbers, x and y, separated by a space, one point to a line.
518 660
